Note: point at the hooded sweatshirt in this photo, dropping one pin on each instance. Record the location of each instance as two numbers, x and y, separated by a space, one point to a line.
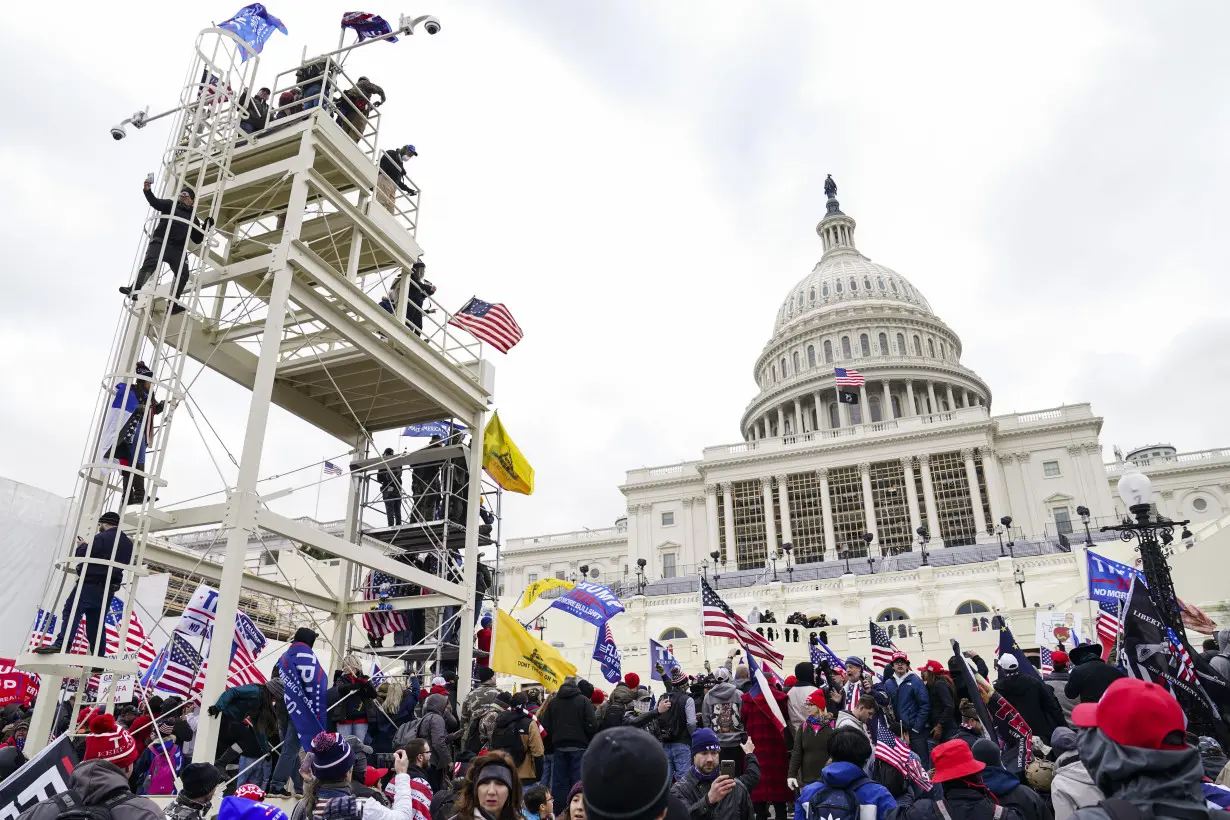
840 776
722 712
1072 788
1157 782
1221 661
611 713
570 720
92 782
799 693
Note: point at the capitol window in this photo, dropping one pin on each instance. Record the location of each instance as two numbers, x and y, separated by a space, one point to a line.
893 284
880 282
837 285
828 352
774 369
673 634
795 358
901 344
883 339
931 348
867 283
845 348
853 284
917 346
811 295
668 519
530 579
1050 469
800 300
972 608
824 290
783 367
811 355
864 345
892 614
876 413
1199 504
668 565
943 351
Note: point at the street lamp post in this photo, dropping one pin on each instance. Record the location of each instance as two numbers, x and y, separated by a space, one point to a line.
716 556
1083 512
773 556
789 561
640 576
1018 575
846 554
704 568
1007 522
541 625
924 537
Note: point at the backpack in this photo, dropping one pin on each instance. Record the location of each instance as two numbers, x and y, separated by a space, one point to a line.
72 809
160 779
406 732
507 738
829 803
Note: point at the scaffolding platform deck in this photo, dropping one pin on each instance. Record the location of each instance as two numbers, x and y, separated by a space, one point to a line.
421 653
418 538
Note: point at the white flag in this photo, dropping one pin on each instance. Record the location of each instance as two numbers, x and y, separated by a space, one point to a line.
198 617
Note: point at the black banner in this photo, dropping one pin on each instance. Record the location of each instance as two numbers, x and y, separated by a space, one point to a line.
43 777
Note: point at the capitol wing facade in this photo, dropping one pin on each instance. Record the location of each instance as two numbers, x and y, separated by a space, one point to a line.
873 482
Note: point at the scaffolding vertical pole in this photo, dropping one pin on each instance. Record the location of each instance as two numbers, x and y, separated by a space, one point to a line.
353 534
242 507
465 629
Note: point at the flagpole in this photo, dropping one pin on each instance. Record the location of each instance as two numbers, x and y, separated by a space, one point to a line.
320 481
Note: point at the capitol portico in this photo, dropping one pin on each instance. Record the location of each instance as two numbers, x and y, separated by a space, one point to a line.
888 508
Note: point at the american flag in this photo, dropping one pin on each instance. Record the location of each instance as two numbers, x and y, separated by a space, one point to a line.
44 630
489 321
1045 661
720 621
1107 625
1187 671
882 648
820 652
242 669
137 641
848 377
332 469
385 621
366 24
890 749
183 664
761 689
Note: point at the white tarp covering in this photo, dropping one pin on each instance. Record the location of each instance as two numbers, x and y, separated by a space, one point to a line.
33 524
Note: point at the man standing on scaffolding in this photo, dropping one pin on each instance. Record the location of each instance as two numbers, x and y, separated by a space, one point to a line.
390 481
169 239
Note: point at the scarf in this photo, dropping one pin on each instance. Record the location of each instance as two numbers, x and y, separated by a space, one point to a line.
818 723
705 778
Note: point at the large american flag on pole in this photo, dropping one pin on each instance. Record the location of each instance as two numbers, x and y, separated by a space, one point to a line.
890 749
882 648
848 377
183 663
489 321
382 622
1107 625
720 621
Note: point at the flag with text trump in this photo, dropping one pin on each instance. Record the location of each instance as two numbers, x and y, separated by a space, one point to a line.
720 621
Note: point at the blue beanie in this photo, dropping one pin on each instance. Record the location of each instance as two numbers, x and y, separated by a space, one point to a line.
857 661
705 740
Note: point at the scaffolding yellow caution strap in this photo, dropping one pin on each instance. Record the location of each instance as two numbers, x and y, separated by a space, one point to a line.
504 462
517 652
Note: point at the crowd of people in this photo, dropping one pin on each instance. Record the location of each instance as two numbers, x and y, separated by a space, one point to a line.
856 745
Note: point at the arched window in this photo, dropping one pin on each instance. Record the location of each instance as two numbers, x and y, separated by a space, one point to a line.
931 348
874 401
845 348
853 284
883 340
774 368
811 355
864 345
824 290
917 349
837 285
900 344
828 351
880 282
972 608
783 367
893 283
811 295
800 300
795 360
673 633
867 283
943 352
896 407
892 614
834 417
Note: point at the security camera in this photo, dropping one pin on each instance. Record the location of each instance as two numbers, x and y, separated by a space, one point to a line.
429 22
118 132
432 25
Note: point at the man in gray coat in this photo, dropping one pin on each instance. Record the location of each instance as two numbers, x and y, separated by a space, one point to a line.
434 729
1221 661
711 796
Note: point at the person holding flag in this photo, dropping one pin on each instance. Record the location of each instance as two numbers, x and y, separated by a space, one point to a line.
1032 698
764 719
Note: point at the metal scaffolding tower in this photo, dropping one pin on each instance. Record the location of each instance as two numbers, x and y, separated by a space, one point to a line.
305 240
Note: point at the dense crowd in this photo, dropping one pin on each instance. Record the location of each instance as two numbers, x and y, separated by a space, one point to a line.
856 745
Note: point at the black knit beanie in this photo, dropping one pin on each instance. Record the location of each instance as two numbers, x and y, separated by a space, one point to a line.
626 776
805 673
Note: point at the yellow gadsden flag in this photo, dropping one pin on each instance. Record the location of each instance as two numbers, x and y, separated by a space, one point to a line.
539 587
517 652
504 462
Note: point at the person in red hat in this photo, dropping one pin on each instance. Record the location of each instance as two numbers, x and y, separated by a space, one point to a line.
942 715
1058 681
1132 742
810 753
911 704
966 797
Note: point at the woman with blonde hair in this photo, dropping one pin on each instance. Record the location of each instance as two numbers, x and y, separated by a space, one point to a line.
492 790
394 706
350 698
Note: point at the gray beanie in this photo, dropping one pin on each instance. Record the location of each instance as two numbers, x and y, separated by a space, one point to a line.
1063 739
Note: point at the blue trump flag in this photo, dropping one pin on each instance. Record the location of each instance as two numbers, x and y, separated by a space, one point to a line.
306 685
426 429
1109 581
607 654
1009 646
592 603
254 25
365 24
659 654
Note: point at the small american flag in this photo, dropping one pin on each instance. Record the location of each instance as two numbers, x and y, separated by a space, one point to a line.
720 621
1045 661
489 321
242 669
1107 625
848 377
820 652
890 749
384 621
882 648
44 630
1187 671
137 641
332 469
183 664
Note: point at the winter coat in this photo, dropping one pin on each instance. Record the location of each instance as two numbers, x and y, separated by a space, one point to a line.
679 721
1034 700
967 803
611 713
239 702
840 776
100 547
1008 788
1058 681
1072 788
381 727
848 720
570 720
722 710
811 752
1160 782
942 712
371 808
911 702
480 699
771 751
179 229
258 110
1221 662
91 783
797 697
434 729
1088 681
737 805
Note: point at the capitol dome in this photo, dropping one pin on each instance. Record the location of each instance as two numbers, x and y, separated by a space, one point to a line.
855 314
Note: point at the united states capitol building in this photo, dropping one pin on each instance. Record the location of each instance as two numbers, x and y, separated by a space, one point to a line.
917 506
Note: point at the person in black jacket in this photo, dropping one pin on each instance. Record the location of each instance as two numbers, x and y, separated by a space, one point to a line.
1030 696
173 227
97 584
942 716
390 481
420 289
966 796
955 665
1006 786
258 111
570 723
1090 675
392 164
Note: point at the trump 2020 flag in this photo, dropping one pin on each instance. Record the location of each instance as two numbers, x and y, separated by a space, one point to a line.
659 654
199 614
503 461
592 603
306 685
607 654
365 24
254 25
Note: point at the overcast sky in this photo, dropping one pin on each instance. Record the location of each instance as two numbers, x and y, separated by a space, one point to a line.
640 182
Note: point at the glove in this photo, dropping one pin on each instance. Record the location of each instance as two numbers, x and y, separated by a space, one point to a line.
214 711
792 784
